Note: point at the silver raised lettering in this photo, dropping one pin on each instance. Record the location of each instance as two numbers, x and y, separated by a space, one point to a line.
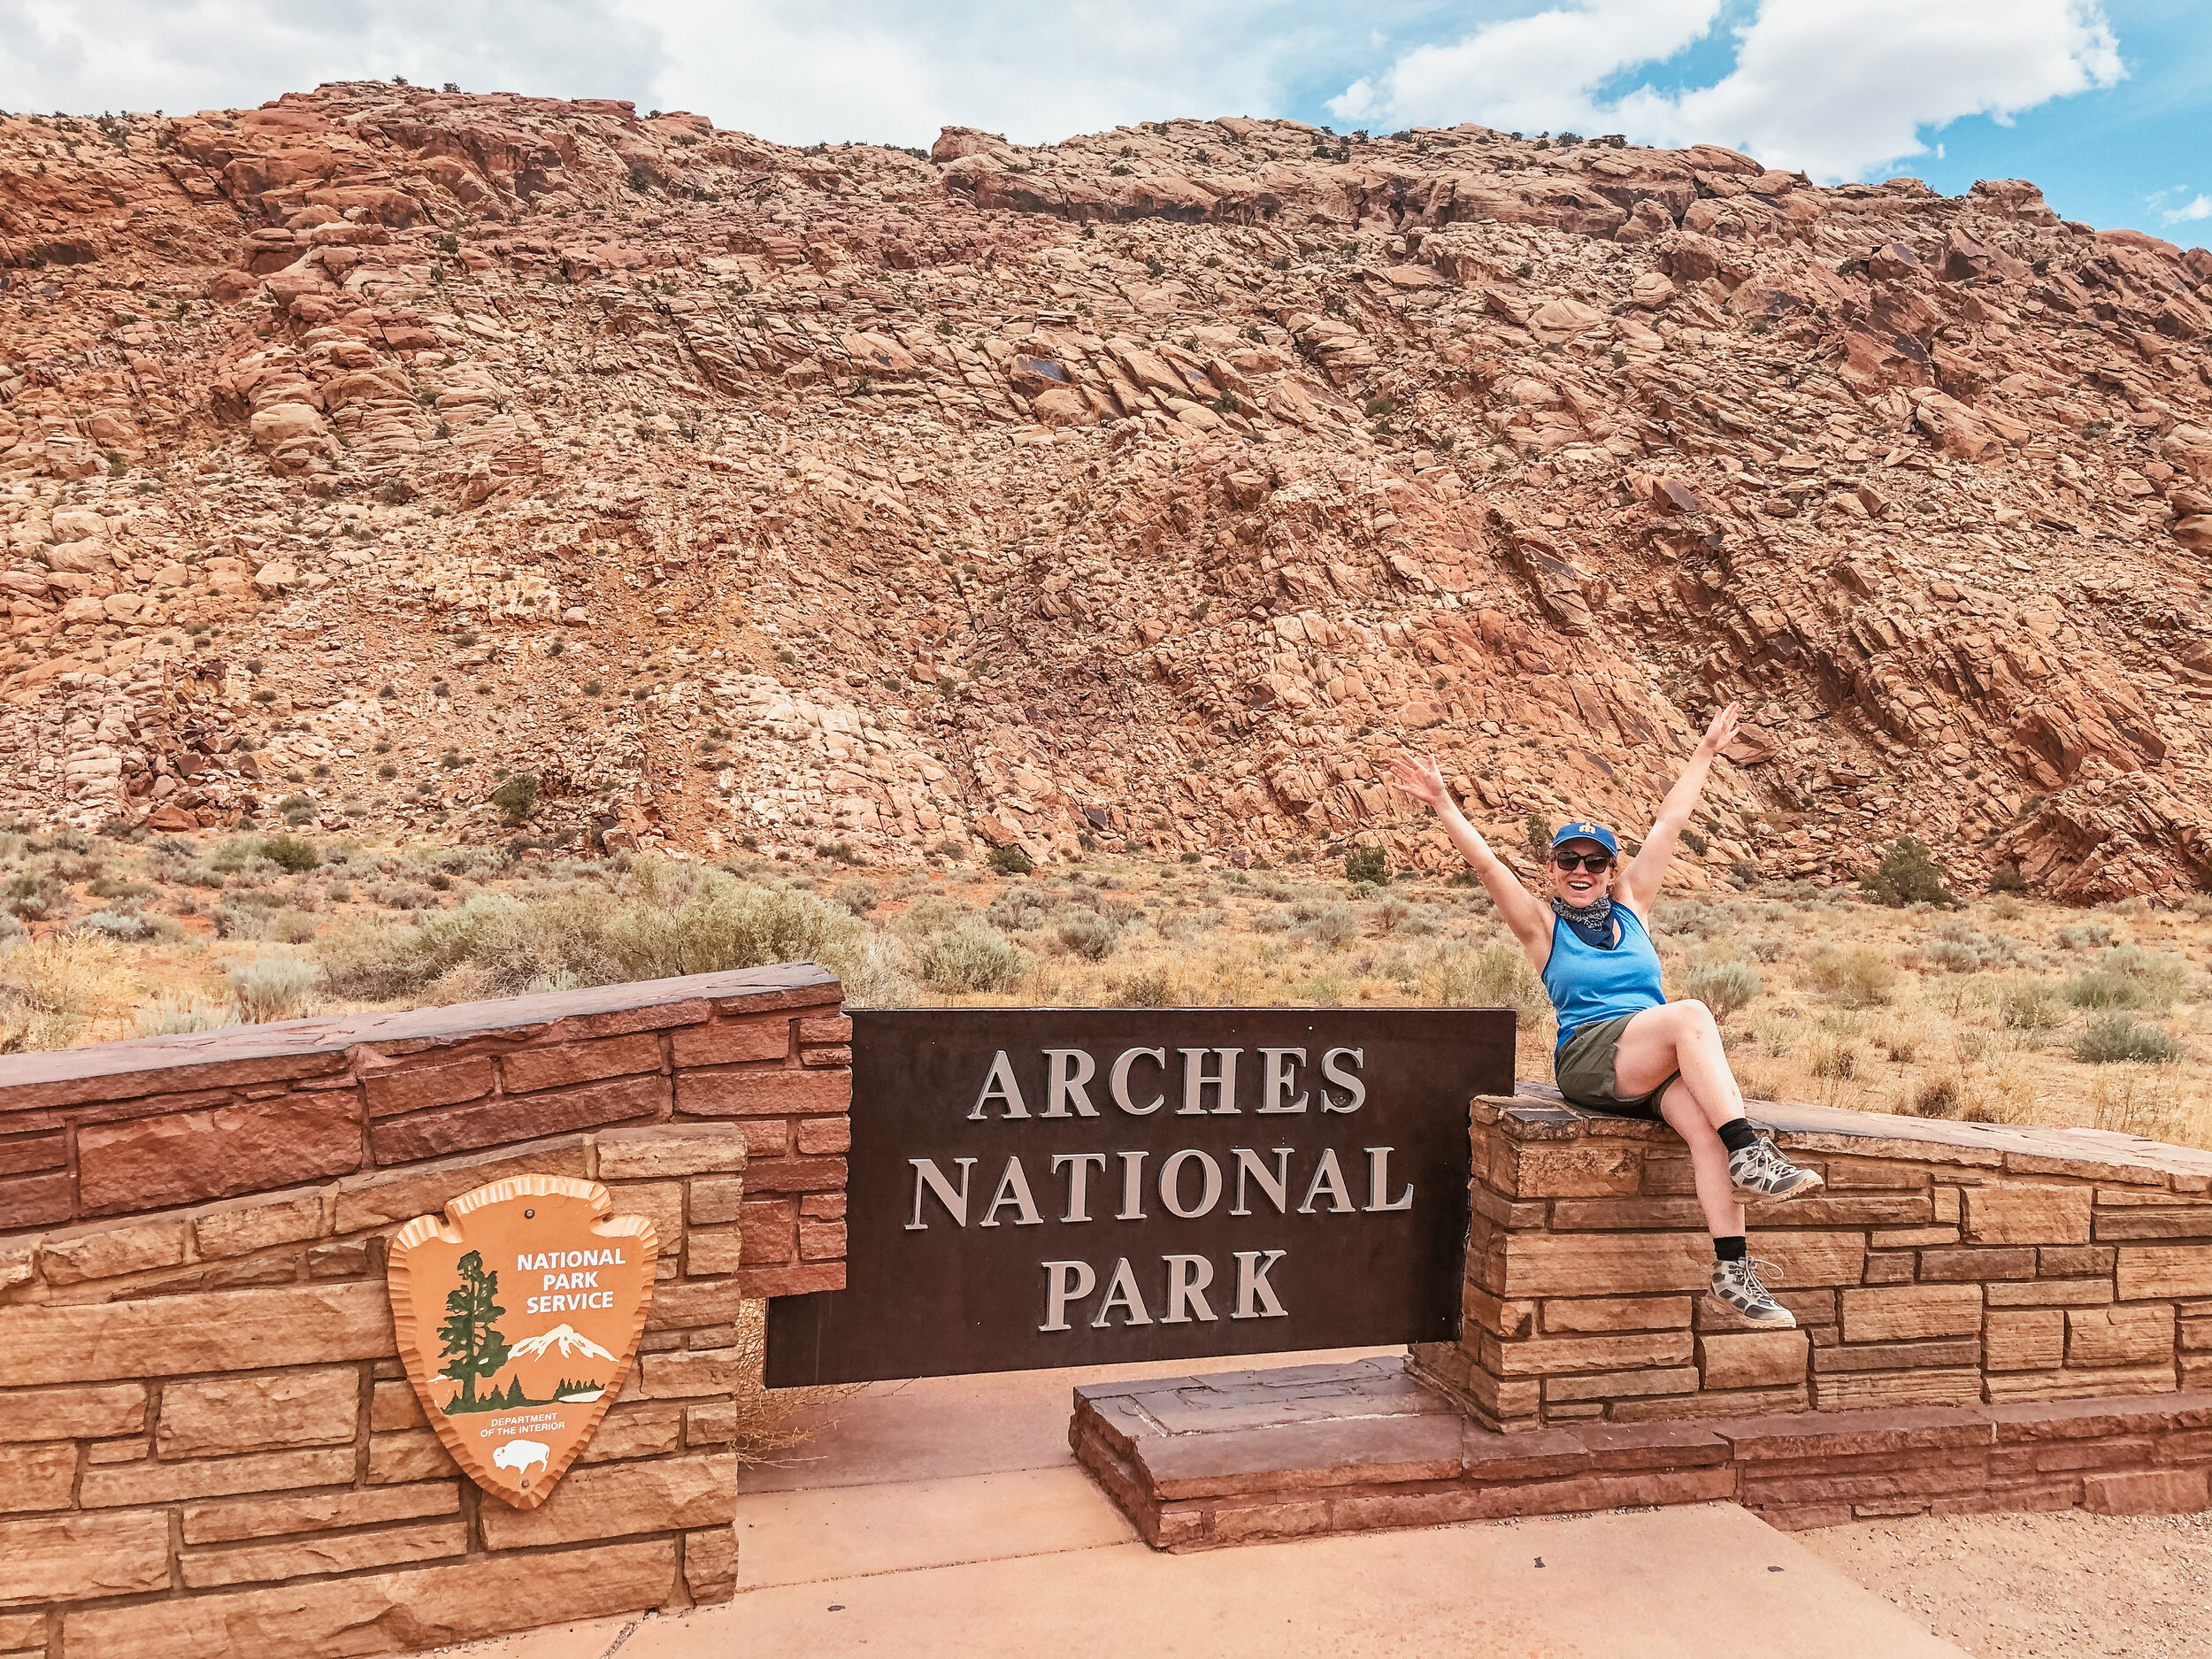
1277 1077
1188 1277
1253 1267
1067 1072
1355 1091
1132 1186
1013 1188
1196 1081
1078 1168
1379 1183
929 1178
1171 1182
1328 1174
1117 1080
1000 1084
1068 1281
1277 1187
1122 1292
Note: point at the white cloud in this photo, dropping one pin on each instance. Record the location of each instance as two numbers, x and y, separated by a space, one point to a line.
173 55
1834 86
792 70
1837 88
897 70
2201 208
1527 74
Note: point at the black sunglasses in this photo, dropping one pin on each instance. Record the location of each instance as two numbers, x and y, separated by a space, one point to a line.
1583 861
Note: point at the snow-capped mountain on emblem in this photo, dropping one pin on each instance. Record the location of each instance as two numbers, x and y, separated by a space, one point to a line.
513 1399
560 1338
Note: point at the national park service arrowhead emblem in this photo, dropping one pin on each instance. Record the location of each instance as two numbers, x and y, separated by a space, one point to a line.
518 1317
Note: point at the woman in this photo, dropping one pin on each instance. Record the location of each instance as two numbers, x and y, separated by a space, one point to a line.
1624 1048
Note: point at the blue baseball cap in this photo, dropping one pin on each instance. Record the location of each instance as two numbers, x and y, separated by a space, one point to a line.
1587 832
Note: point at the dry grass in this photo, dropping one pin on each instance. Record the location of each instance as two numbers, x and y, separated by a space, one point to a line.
1984 1011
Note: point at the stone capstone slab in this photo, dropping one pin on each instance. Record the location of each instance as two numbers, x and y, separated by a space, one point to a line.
1249 1457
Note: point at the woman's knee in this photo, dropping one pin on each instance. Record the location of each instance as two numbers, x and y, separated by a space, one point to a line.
1692 1017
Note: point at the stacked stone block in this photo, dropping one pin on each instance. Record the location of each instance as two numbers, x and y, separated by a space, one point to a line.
208 1445
1247 1456
1942 1264
122 1128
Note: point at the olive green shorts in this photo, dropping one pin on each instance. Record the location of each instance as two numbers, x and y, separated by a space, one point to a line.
1585 1070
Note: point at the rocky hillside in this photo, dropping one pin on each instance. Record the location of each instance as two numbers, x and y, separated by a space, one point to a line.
364 453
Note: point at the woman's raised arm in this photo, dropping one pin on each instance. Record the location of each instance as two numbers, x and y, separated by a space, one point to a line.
1642 877
1524 913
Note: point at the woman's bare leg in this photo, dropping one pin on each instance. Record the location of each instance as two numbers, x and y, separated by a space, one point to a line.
1708 1160
1678 1037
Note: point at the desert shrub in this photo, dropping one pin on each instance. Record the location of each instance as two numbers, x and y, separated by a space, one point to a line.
1829 1055
1500 975
1858 978
294 853
117 923
235 918
2128 975
2084 936
665 919
516 797
1011 860
2029 1005
291 927
274 988
34 897
2116 1036
932 914
1369 865
1907 875
1089 935
399 895
168 1016
1939 1098
52 987
972 956
1724 986
1149 988
1014 910
1331 925
1271 921
197 875
859 897
1395 915
1766 949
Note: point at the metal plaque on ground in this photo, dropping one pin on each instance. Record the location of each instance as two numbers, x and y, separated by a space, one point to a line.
1036 1187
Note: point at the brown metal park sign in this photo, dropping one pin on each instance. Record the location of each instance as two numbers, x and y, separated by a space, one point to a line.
1038 1187
518 1317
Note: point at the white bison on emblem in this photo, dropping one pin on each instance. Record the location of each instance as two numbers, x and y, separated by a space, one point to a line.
520 1455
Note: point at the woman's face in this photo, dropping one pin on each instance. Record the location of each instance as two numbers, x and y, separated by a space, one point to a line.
1579 885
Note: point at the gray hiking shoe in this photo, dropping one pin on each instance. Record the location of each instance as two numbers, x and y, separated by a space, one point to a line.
1761 1173
1738 1284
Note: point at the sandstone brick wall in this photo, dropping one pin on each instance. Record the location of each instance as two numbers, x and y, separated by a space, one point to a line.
208 1446
124 1128
1239 1457
1943 1264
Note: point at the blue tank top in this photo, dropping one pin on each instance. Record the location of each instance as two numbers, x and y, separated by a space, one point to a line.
1587 984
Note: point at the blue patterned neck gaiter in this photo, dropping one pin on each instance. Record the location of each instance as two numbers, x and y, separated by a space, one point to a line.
1593 922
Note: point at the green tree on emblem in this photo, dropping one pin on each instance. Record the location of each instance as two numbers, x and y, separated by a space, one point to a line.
474 1345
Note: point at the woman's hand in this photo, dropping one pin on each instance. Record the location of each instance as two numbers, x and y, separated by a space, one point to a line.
1722 732
1419 777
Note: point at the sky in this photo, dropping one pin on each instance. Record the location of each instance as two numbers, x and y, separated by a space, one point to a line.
2105 103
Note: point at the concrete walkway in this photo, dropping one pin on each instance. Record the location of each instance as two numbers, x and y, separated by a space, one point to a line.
947 1517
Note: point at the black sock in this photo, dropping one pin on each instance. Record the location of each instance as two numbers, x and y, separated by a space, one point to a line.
1730 1249
1738 1135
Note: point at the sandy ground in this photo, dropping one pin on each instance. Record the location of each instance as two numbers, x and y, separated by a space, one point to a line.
2040 1586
